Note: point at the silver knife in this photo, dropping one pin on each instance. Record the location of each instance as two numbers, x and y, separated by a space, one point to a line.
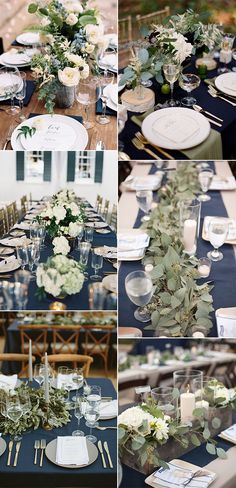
17 452
10 446
108 453
102 455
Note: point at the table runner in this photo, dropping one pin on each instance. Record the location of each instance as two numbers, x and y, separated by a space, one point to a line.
214 105
223 273
80 301
28 475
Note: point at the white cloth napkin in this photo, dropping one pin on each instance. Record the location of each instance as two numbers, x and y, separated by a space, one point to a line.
176 129
232 226
108 409
221 183
64 378
22 226
149 182
135 254
110 60
129 242
6 260
72 451
9 381
176 476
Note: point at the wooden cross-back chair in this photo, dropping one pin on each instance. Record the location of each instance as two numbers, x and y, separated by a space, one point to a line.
97 342
65 340
3 227
11 219
75 359
24 204
125 30
38 335
18 358
113 219
153 18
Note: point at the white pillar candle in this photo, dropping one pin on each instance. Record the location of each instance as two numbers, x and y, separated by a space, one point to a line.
46 382
204 270
198 335
202 404
225 56
187 405
189 236
30 368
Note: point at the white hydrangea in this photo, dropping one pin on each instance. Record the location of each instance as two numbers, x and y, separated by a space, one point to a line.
73 229
50 280
133 418
59 213
74 281
61 245
223 392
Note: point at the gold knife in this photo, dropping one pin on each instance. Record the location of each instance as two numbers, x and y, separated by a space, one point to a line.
102 455
108 454
17 452
10 446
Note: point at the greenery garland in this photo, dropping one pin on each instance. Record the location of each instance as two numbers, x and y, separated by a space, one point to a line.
57 415
179 306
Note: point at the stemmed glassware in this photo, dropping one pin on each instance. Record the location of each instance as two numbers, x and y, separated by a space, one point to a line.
171 72
78 380
67 383
144 199
21 94
205 178
39 373
91 415
188 82
14 412
97 263
32 254
11 82
139 288
217 232
84 255
88 93
79 412
88 235
22 255
80 234
106 80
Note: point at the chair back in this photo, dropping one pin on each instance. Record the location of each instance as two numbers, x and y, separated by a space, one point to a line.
105 209
75 359
155 18
65 340
38 335
15 357
3 228
24 204
10 215
125 29
113 219
97 342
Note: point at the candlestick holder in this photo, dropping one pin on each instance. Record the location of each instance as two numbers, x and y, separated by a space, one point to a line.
46 425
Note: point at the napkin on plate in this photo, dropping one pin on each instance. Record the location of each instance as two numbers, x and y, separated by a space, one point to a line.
17 241
129 242
176 129
221 183
9 381
232 226
108 409
177 476
6 260
72 451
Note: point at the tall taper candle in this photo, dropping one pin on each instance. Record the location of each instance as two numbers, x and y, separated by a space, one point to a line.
46 382
30 367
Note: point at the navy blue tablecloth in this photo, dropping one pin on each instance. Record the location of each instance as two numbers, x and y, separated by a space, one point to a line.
80 301
28 475
223 273
30 89
214 105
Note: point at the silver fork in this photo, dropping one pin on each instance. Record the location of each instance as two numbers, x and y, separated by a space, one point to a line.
214 94
43 447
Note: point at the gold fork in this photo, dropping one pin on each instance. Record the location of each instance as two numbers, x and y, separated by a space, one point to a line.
145 141
139 145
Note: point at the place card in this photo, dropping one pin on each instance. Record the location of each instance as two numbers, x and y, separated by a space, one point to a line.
51 137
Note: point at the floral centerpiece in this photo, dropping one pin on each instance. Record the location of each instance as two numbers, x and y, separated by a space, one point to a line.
64 196
59 276
57 414
62 218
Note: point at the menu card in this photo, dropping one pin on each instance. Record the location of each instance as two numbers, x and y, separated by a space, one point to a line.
72 451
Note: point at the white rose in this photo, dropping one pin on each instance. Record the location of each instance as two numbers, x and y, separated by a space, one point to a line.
72 19
89 48
133 417
85 72
59 213
69 76
222 392
94 33
73 229
61 245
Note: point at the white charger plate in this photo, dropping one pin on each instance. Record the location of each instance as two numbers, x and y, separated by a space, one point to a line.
80 131
15 242
11 266
51 450
110 283
6 81
8 59
223 79
175 113
28 38
3 446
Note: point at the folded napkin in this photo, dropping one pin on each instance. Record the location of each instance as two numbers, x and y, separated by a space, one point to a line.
229 434
135 254
6 260
64 379
177 476
223 183
110 60
149 182
231 222
226 322
176 130
72 451
30 88
129 242
108 409
8 381
22 225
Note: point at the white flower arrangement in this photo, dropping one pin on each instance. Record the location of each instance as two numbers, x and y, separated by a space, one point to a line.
61 246
133 418
59 276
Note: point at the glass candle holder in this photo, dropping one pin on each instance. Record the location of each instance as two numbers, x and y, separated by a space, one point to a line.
165 401
185 382
204 267
190 211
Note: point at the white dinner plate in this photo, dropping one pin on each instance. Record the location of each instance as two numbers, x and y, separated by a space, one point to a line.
6 251
28 38
97 225
3 446
226 83
163 127
59 133
110 283
16 59
6 81
11 266
110 91
109 62
11 242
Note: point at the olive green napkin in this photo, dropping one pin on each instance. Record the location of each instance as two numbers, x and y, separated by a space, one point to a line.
211 148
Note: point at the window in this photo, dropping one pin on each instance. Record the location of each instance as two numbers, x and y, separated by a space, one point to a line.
34 167
85 167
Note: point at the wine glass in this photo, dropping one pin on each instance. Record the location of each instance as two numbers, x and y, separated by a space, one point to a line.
88 93
94 397
84 255
80 234
144 199
32 252
21 94
39 373
36 242
234 57
91 415
139 288
11 83
78 412
217 232
171 72
97 263
106 80
14 412
78 380
67 384
189 82
88 235
205 178
22 255
42 234
226 47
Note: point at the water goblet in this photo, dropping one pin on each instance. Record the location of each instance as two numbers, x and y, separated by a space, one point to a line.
94 397
171 72
91 415
217 231
14 412
20 295
189 82
78 412
139 288
32 253
39 373
97 263
88 234
144 199
22 255
36 242
21 94
106 80
205 178
88 93
11 83
84 255
80 234
78 380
